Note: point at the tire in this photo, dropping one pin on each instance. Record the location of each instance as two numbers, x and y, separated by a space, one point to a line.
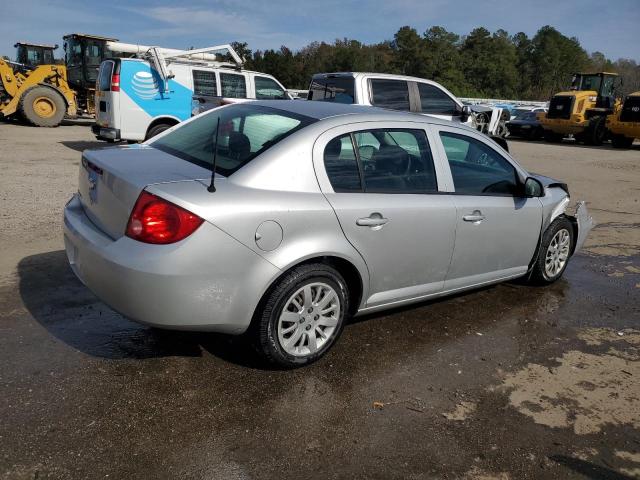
157 129
537 134
552 137
43 107
620 141
597 131
542 274
270 333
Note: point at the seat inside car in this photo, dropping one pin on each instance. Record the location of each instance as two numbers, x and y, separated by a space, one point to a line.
239 146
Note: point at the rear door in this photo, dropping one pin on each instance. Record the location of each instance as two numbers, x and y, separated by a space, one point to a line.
383 185
107 101
497 227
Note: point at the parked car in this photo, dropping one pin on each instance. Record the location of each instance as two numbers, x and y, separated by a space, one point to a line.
133 104
526 125
283 219
404 93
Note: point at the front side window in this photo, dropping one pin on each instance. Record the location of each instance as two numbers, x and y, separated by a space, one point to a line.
393 94
434 101
332 89
93 52
245 131
268 89
74 52
476 168
204 83
233 86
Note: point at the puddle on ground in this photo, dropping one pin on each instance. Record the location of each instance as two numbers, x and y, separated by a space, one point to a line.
584 391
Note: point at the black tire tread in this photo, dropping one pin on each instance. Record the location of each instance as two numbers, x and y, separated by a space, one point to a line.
264 344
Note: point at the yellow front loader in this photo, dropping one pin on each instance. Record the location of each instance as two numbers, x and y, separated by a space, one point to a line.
40 94
624 124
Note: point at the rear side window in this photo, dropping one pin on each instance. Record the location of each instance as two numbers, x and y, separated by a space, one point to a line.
104 77
268 89
393 94
433 100
233 86
332 89
245 131
204 83
341 165
476 168
383 161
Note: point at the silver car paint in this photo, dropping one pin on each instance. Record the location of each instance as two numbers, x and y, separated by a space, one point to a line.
214 279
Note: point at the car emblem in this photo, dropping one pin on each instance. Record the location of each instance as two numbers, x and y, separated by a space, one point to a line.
635 109
93 186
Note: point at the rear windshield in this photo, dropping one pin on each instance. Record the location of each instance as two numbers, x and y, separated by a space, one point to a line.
332 89
245 132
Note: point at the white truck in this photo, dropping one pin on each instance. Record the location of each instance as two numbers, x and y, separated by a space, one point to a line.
139 97
401 92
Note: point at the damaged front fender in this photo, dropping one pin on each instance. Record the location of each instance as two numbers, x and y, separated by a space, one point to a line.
583 223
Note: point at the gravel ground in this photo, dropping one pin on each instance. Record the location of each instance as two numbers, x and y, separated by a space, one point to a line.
507 382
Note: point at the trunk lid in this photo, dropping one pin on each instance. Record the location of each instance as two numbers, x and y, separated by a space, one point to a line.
111 180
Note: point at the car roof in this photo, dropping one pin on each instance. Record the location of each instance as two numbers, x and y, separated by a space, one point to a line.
325 110
390 76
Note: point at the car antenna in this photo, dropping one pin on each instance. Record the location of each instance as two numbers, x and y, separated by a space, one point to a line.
212 187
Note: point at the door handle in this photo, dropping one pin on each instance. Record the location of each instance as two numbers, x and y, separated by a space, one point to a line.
373 220
475 217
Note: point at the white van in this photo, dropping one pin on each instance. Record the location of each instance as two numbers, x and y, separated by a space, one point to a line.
133 104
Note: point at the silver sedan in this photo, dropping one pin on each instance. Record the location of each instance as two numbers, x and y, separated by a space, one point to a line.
283 219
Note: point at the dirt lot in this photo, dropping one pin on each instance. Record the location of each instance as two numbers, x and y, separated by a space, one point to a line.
508 382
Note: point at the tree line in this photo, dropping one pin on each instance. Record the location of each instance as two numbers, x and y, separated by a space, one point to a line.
480 64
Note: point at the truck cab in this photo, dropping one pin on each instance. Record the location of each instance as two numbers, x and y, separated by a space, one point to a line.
134 102
34 54
395 92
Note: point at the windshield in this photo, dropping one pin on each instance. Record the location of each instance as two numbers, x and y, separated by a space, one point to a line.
332 89
590 82
245 132
73 52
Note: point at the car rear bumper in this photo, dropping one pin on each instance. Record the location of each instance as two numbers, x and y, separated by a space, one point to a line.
207 282
104 133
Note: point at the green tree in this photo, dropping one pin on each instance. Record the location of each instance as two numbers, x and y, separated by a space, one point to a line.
443 62
409 53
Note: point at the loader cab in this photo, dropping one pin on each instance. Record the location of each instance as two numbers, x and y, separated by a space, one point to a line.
33 54
603 83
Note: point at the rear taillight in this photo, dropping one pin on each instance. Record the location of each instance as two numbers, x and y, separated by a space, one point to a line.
155 220
115 82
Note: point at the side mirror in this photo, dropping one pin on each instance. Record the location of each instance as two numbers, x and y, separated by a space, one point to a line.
466 113
533 188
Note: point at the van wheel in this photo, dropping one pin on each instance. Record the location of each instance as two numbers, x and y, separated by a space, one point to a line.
43 107
555 252
302 316
157 129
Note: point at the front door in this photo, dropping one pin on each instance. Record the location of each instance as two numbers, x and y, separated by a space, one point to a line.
497 229
382 184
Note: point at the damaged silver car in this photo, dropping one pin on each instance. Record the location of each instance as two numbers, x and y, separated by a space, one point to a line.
283 219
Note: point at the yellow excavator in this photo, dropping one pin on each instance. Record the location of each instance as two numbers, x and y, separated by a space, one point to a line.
582 111
37 91
624 124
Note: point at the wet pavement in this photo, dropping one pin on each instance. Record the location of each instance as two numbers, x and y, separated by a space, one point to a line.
507 382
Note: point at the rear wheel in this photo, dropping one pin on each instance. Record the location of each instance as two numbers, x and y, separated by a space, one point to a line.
157 129
620 141
553 137
555 251
302 316
43 107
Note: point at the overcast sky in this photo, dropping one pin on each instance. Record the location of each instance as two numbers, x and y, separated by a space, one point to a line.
610 26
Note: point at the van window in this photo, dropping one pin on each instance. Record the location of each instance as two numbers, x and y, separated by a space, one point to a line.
268 89
204 83
435 101
332 89
233 86
393 94
104 77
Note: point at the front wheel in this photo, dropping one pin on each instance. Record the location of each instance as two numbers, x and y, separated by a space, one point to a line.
553 137
43 106
620 141
555 251
302 316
